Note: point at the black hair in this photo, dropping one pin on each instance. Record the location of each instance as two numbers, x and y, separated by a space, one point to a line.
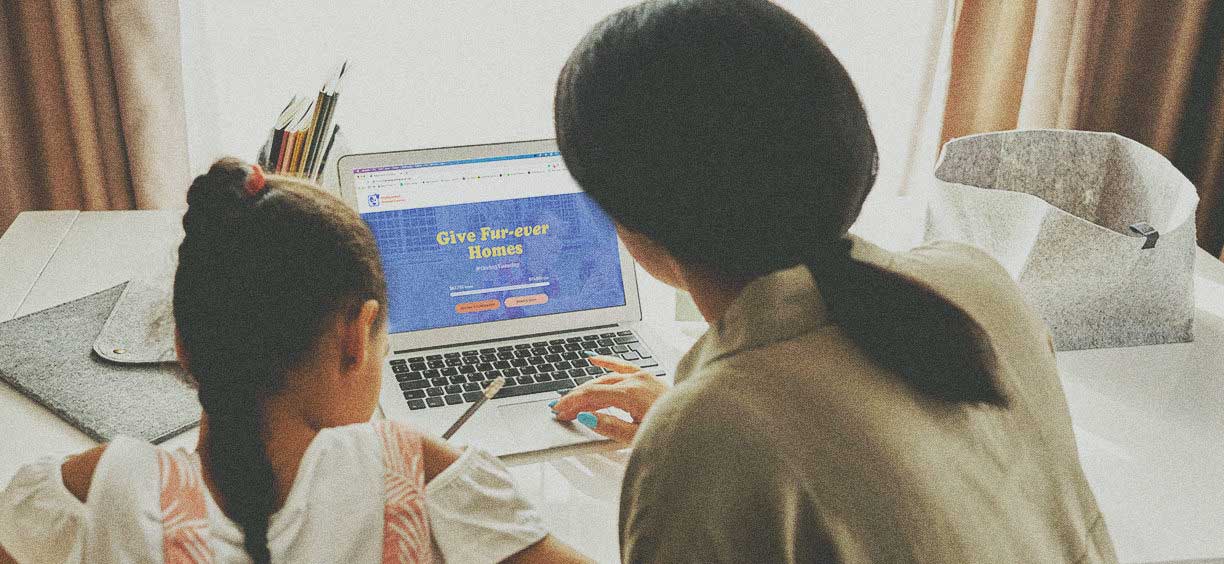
259 275
727 132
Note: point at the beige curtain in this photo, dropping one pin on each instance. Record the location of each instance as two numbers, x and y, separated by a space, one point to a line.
91 106
1149 70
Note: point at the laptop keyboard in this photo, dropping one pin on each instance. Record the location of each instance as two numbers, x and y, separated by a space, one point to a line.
554 365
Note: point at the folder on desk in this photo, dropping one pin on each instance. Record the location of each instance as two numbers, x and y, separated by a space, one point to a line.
104 363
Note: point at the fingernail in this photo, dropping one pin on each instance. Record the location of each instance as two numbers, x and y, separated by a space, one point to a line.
588 419
590 353
552 403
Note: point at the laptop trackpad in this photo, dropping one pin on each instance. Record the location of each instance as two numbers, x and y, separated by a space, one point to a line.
534 428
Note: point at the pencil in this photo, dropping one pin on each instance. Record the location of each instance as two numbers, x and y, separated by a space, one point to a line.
311 133
326 153
489 391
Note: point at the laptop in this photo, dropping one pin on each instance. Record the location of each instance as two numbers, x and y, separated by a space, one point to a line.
497 264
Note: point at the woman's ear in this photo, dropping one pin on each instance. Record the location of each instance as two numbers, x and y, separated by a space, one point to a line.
652 256
356 343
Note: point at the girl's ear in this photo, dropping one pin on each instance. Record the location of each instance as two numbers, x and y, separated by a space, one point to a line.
180 352
356 343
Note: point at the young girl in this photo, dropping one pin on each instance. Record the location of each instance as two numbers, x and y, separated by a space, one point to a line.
847 404
280 305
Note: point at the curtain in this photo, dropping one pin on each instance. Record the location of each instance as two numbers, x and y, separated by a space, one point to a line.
1151 71
91 106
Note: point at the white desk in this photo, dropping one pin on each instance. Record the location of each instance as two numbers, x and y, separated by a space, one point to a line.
1149 420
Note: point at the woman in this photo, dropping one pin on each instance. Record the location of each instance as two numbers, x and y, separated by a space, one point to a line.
847 403
280 310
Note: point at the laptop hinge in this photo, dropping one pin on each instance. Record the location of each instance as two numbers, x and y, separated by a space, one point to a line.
519 337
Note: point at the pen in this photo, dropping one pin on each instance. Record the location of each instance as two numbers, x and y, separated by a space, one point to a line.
489 391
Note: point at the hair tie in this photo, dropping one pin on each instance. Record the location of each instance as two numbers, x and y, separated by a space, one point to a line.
254 181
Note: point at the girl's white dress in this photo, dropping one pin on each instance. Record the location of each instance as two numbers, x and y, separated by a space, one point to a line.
358 496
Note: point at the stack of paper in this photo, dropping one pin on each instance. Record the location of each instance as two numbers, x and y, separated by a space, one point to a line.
303 135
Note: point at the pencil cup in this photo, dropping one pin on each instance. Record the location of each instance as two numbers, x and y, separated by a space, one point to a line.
327 177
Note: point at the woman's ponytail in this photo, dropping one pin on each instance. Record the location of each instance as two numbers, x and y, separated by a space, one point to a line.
907 327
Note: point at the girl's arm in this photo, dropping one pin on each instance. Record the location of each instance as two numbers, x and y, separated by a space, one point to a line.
439 455
39 505
548 550
78 472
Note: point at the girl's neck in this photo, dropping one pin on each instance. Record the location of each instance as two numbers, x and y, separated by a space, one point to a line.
286 436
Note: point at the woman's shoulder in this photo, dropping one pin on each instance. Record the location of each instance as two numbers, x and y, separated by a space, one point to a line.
702 416
956 259
966 275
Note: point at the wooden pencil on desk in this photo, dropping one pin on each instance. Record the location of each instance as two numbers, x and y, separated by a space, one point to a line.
489 391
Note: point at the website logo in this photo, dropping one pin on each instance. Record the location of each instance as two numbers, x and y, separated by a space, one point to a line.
373 200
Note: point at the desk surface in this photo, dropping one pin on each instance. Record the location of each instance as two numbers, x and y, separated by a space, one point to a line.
1148 420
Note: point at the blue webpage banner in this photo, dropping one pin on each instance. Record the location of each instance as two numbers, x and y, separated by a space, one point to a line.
491 261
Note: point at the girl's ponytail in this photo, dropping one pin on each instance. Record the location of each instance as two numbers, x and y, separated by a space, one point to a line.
238 459
264 266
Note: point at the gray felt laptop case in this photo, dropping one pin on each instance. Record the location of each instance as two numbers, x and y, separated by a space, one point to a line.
104 363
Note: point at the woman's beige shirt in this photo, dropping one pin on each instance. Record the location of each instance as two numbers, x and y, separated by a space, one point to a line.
783 442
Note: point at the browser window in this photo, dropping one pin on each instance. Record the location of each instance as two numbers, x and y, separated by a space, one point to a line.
488 239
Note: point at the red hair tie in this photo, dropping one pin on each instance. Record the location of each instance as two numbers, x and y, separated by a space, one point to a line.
254 180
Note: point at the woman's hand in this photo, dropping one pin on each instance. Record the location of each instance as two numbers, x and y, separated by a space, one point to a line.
629 388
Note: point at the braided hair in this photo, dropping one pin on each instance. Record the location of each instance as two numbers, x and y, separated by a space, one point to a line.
263 266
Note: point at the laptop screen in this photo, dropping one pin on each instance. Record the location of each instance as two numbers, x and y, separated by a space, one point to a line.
488 239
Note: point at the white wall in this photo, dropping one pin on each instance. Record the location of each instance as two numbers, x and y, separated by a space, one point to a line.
427 73
434 72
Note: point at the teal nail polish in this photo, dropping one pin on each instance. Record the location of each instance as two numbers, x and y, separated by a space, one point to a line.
588 419
552 403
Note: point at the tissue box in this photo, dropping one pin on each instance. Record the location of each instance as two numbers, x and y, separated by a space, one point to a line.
1097 229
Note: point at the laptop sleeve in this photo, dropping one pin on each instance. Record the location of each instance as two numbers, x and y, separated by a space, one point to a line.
104 363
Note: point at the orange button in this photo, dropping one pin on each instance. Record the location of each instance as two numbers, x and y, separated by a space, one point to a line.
473 307
520 301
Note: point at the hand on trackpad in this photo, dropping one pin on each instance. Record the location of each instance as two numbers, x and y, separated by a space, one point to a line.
534 428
